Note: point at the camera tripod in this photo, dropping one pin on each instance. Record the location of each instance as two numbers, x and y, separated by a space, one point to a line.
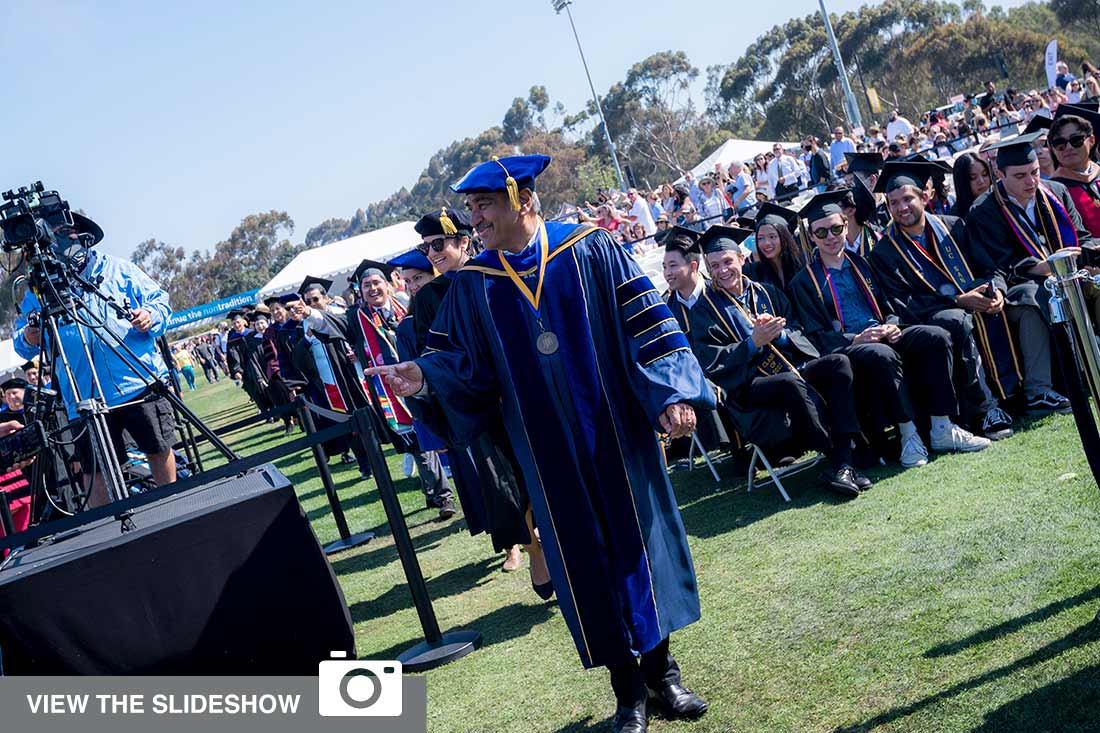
65 296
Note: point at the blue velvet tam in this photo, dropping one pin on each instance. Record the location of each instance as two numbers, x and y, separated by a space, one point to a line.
503 174
413 259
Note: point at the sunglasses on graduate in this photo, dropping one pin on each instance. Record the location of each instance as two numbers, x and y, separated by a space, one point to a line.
436 246
315 300
836 230
1058 143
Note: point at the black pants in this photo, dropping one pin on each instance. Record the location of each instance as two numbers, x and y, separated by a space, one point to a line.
820 405
889 377
655 669
971 387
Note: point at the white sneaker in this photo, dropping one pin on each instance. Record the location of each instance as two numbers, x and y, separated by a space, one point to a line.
957 440
913 452
408 467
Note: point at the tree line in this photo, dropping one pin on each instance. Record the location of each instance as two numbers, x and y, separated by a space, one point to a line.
913 53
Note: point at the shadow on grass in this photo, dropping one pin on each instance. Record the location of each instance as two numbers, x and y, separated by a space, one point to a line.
1066 705
1009 627
382 556
503 624
1084 634
451 583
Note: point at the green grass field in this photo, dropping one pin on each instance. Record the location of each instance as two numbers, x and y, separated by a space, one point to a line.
956 597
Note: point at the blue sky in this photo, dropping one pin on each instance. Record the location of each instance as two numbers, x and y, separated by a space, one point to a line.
175 120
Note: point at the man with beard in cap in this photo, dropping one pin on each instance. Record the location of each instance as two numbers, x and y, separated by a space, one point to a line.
928 268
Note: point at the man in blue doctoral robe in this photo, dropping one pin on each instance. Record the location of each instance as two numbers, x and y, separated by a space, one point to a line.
558 327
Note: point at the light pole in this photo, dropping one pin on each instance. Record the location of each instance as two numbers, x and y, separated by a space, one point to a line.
560 5
850 107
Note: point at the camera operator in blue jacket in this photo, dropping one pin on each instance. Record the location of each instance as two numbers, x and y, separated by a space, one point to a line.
135 407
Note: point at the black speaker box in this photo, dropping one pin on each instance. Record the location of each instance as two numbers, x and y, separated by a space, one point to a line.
227 578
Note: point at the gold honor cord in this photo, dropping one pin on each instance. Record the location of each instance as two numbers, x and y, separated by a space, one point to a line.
544 251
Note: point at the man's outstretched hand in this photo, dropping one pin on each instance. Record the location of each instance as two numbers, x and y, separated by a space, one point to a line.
405 378
678 420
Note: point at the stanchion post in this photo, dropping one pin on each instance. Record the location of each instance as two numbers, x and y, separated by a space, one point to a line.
347 539
437 648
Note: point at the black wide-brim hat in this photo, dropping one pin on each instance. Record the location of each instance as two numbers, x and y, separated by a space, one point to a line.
84 225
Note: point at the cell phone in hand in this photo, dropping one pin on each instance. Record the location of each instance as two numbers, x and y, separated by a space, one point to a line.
22 445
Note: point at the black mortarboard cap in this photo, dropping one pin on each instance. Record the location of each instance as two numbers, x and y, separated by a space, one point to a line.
898 173
1038 124
313 282
864 200
236 313
1091 105
681 238
745 222
824 204
864 162
257 315
444 222
271 300
773 214
1016 150
12 383
719 238
29 365
289 298
384 268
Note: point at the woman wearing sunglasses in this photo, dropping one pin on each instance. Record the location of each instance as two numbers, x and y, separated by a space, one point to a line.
1072 144
843 310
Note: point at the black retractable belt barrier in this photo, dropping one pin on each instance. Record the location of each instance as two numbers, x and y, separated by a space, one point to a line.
437 648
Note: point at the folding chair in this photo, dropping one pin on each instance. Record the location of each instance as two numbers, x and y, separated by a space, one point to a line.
696 443
774 475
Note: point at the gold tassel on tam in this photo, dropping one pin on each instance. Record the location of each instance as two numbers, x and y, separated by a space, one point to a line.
445 222
510 184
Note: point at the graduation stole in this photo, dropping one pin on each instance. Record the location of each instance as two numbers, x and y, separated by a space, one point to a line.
1047 209
773 362
993 335
823 283
327 374
393 407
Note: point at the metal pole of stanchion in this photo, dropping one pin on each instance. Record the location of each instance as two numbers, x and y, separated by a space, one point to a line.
347 539
437 648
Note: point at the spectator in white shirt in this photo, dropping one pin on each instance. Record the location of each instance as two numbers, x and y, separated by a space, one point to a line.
639 212
898 125
783 173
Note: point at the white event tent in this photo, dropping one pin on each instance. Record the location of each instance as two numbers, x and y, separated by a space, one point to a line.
338 260
734 149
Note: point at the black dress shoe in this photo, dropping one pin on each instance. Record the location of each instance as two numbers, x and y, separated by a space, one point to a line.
862 481
446 510
630 720
842 482
678 701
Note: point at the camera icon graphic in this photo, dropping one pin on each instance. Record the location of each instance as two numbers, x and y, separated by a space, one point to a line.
349 687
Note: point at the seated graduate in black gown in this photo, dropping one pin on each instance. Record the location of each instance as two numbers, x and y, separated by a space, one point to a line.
844 310
746 339
1017 224
778 258
686 283
931 274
